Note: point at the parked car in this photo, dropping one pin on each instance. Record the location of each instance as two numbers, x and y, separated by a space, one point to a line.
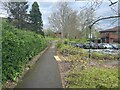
79 45
107 46
88 45
94 46
115 46
101 46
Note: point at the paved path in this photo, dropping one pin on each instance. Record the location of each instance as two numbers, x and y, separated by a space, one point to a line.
44 74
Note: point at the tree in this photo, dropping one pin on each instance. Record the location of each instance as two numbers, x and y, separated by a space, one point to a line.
87 16
36 19
64 19
49 32
17 13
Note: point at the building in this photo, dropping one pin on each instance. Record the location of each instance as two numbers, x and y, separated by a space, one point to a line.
111 35
57 34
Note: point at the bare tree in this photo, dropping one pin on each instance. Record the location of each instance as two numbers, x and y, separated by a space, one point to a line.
87 16
116 16
17 12
64 19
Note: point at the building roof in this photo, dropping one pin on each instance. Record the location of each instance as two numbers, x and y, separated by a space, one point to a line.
115 29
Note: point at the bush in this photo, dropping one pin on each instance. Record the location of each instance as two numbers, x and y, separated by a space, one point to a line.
18 47
81 40
102 56
59 44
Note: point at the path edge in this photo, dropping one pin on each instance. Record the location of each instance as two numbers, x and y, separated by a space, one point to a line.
28 66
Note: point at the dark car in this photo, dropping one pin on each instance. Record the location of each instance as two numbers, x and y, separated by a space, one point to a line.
87 46
94 46
101 46
91 45
79 45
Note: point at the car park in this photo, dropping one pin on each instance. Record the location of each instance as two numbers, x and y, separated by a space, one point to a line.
79 45
100 46
115 46
108 46
90 45
87 46
105 46
95 46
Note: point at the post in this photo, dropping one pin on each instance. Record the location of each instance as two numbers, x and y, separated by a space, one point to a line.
90 43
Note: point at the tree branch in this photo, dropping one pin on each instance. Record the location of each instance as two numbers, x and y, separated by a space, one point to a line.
110 17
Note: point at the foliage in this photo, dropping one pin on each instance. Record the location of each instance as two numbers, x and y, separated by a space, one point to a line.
36 19
81 40
93 78
59 44
49 33
18 47
67 49
17 13
82 74
48 38
102 56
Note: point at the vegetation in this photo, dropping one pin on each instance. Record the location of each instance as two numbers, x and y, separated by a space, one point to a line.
18 47
93 78
81 40
36 19
19 17
88 73
17 13
67 49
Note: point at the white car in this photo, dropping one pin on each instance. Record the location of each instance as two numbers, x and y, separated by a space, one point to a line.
107 46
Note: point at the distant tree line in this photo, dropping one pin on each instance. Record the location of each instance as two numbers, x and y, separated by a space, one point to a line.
22 19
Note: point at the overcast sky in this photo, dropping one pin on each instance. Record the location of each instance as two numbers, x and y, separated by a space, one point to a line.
47 6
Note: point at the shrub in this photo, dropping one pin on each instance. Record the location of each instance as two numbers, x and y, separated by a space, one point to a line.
59 44
18 47
102 56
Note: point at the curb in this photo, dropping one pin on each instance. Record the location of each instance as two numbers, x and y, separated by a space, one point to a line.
59 67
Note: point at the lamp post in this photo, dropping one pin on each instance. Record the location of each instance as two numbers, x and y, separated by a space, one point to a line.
90 43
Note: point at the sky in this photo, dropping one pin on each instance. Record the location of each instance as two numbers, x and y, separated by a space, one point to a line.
47 6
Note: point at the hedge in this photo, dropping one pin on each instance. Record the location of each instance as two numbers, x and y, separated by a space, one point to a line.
18 47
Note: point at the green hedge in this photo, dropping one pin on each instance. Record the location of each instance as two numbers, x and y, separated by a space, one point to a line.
18 47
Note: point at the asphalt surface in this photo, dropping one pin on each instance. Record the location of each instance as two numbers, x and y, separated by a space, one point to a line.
44 74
